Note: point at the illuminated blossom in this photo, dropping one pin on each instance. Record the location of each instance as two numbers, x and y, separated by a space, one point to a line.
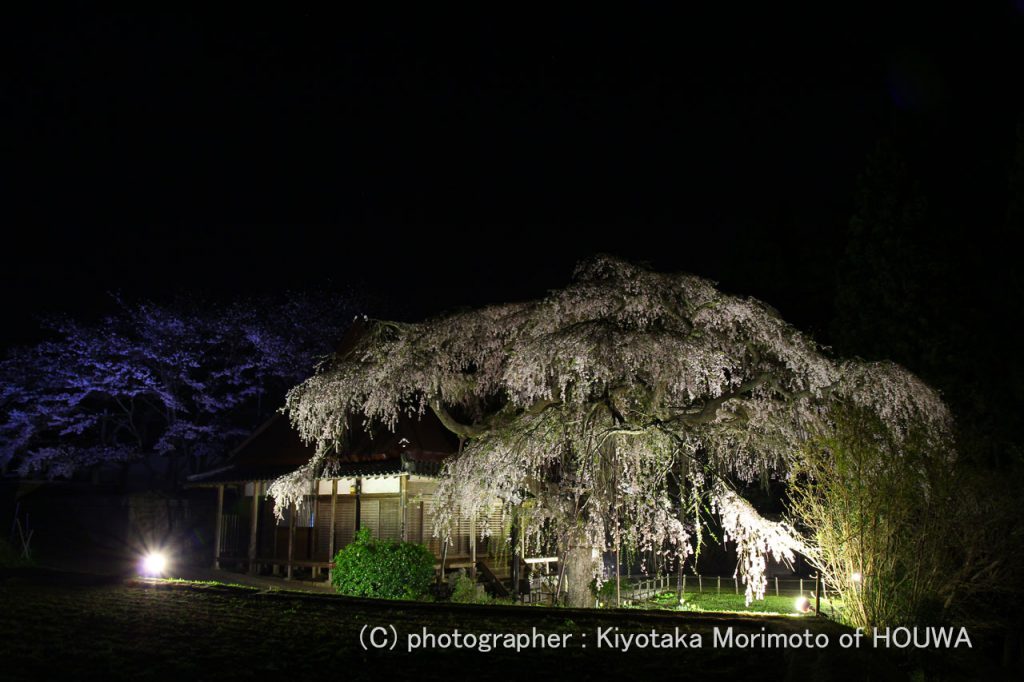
610 412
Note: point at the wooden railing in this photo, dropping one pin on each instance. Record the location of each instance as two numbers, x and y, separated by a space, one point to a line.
645 589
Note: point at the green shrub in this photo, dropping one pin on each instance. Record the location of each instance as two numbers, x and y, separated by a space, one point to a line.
607 591
466 592
382 569
892 513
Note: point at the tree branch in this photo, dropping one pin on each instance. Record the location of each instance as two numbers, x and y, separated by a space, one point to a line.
473 430
459 429
708 413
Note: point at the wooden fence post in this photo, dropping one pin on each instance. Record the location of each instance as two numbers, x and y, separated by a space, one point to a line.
817 593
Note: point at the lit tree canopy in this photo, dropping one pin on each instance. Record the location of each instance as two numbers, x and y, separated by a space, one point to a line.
185 380
612 411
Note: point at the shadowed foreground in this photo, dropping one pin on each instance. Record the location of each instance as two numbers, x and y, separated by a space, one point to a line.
92 628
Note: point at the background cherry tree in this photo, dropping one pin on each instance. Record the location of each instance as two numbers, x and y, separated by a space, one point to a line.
610 413
185 380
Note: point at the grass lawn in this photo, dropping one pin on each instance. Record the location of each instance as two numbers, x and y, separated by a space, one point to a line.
729 602
710 601
60 628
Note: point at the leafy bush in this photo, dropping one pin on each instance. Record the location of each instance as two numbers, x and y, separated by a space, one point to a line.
885 518
466 592
382 568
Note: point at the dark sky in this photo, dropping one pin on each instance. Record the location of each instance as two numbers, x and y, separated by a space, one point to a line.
440 161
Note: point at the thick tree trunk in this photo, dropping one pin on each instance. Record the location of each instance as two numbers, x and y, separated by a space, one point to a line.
580 566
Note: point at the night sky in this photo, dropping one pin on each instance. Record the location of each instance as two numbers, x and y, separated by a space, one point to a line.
442 161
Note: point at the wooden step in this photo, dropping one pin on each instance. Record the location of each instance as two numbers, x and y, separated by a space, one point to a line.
497 584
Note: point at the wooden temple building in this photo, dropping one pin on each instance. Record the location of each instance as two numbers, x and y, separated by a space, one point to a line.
384 482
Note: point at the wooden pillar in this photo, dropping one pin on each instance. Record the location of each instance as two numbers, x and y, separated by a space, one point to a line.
292 518
403 500
218 526
314 499
334 516
312 542
254 523
513 569
472 546
359 494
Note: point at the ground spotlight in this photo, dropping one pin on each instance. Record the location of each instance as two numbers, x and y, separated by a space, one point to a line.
154 564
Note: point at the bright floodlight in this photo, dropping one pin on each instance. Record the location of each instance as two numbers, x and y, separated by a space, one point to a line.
154 563
802 605
855 576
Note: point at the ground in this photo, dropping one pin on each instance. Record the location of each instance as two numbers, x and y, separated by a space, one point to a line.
86 627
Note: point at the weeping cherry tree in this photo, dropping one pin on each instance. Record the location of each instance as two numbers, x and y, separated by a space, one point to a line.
614 413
